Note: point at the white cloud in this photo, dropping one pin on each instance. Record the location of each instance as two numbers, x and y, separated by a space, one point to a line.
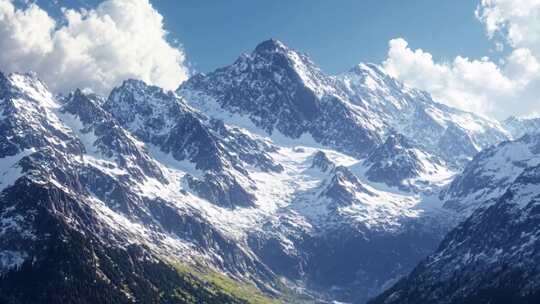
480 86
94 49
498 89
517 21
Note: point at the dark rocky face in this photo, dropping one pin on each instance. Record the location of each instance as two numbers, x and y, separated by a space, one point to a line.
59 219
489 258
393 162
270 86
164 120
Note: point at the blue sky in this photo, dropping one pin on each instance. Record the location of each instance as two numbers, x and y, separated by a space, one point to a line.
337 34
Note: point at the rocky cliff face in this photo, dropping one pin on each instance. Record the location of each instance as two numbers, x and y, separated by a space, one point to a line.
490 174
73 210
489 258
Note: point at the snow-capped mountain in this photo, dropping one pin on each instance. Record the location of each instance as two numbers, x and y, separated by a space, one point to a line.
74 209
392 107
217 154
280 90
490 173
278 93
492 257
398 163
267 171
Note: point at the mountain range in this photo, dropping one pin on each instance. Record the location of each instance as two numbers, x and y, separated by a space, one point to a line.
264 181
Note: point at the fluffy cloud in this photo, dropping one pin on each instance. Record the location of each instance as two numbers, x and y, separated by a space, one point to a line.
497 89
516 21
480 86
95 49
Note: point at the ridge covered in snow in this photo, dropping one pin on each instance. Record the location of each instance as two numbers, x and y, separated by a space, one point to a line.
489 258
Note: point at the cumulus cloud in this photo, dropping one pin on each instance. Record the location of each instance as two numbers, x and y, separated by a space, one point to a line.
516 21
497 89
481 86
94 49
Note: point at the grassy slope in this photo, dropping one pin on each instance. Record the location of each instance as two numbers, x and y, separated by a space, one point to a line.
219 282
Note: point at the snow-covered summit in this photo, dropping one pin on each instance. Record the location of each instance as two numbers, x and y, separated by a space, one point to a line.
281 90
391 107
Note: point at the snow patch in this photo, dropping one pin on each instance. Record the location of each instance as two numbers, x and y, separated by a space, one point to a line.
10 171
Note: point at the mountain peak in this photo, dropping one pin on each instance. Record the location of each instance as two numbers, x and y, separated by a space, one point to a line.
271 45
26 80
29 86
134 84
277 53
139 92
367 68
370 77
138 85
81 94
